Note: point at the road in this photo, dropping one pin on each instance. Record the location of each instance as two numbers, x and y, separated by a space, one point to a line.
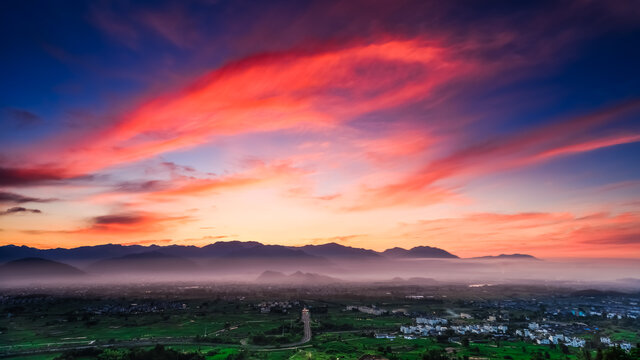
306 320
306 337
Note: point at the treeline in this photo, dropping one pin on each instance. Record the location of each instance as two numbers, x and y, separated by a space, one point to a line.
159 352
215 340
264 340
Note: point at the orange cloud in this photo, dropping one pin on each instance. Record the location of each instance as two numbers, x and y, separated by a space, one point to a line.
148 242
541 234
259 173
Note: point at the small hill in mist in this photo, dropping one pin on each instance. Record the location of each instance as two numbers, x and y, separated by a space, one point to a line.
298 277
37 268
419 252
507 257
333 250
147 262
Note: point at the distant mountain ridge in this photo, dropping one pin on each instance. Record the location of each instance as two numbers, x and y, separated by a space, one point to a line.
334 250
225 251
220 250
507 256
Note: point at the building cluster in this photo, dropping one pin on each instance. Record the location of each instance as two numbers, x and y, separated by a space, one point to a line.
544 337
609 313
267 307
622 344
610 308
437 326
540 335
367 310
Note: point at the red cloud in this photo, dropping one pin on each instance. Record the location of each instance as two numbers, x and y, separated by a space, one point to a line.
267 92
28 176
135 222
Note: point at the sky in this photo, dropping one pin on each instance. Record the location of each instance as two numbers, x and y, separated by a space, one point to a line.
478 127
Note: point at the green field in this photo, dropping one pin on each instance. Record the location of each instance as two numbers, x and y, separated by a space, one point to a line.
238 330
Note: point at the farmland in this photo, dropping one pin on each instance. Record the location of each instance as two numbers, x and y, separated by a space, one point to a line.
62 326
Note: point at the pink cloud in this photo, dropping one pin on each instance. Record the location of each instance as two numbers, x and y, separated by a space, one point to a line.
560 138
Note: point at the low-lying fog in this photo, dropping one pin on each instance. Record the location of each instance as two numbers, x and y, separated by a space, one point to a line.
619 274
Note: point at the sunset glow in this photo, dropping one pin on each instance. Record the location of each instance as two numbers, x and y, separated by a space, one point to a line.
368 124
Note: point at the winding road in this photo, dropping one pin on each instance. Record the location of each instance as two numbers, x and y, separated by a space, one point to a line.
306 320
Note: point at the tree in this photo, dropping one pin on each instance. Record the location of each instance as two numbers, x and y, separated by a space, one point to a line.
434 354
599 354
537 356
616 353
584 354
465 342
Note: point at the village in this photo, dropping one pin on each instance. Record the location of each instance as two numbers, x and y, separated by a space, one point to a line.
556 321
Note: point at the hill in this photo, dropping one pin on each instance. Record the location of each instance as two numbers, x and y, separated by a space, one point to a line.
39 268
298 277
507 256
419 252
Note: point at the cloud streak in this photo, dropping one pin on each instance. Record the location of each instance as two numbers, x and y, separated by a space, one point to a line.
19 210
559 138
8 197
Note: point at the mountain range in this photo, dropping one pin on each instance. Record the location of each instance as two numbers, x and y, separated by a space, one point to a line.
221 258
221 249
232 250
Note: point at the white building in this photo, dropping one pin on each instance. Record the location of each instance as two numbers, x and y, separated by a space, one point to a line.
556 338
574 342
432 322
